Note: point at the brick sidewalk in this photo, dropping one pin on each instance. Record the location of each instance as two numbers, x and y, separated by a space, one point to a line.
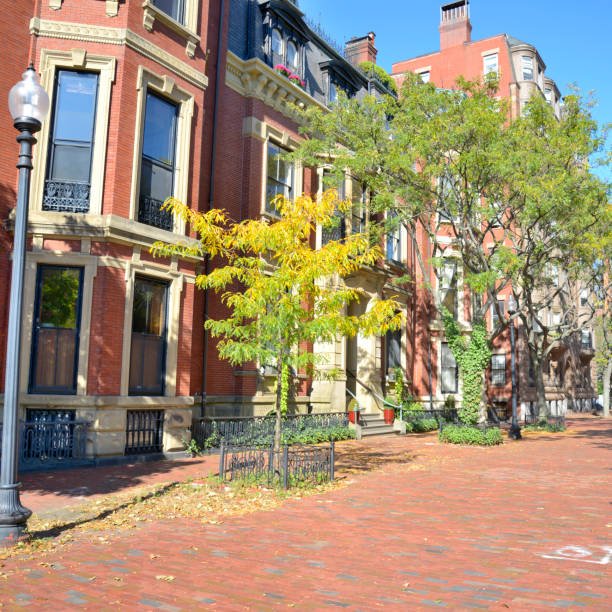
525 526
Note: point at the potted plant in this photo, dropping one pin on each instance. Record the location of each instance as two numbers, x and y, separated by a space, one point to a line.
296 80
353 412
389 410
282 70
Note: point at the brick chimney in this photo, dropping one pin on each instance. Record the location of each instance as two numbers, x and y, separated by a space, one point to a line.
361 49
455 26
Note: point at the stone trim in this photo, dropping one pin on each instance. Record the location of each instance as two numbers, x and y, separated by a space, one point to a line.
254 79
117 36
166 86
151 13
89 265
52 60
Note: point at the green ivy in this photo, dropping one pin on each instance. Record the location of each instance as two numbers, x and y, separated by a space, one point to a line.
472 357
284 388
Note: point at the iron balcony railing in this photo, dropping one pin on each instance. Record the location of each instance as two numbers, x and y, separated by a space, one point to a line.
66 196
150 213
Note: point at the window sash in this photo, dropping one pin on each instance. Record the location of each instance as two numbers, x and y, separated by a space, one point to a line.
527 68
449 370
55 343
448 287
149 337
494 317
393 349
292 55
498 369
172 8
276 42
490 63
280 176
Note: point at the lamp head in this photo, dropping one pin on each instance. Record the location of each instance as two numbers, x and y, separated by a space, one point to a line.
511 305
28 101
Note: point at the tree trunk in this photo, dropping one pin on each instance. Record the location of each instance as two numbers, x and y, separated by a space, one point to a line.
538 377
607 375
277 427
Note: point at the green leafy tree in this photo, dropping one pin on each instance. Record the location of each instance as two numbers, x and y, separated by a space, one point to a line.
509 200
280 293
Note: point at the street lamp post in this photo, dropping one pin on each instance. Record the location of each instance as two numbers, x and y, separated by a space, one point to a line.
29 105
515 428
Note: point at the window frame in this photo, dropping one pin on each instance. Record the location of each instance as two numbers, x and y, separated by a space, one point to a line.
527 69
166 88
54 390
393 336
494 317
488 57
498 373
269 208
441 277
294 67
443 366
393 243
51 62
164 337
186 28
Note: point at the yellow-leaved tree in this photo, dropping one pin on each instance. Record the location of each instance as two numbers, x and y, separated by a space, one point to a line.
281 294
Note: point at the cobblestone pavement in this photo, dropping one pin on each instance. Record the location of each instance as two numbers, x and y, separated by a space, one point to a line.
525 526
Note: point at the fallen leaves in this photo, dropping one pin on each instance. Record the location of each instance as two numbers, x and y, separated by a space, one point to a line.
165 578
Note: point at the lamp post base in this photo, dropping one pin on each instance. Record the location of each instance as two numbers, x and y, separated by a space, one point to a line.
13 516
515 432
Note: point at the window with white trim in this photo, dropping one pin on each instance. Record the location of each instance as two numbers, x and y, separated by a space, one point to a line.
527 67
280 176
498 369
276 43
494 315
359 207
584 297
172 8
490 64
393 350
425 76
448 283
548 96
336 229
292 56
394 243
449 370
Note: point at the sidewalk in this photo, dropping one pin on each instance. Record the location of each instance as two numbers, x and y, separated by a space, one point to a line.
525 526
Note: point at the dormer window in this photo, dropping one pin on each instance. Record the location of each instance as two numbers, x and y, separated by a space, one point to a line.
333 92
277 42
292 56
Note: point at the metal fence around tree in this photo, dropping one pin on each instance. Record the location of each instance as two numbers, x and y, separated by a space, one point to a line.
286 467
208 432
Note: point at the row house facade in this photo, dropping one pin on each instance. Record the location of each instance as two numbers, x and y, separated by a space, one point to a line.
569 372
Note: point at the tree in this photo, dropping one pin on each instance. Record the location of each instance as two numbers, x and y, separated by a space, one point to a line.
450 167
280 293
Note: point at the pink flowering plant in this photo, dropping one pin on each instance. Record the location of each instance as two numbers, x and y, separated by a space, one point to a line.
294 78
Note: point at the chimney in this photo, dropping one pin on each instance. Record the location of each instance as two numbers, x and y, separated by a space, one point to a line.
455 26
361 49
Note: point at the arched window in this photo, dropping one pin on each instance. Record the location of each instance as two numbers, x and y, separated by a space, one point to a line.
292 56
277 42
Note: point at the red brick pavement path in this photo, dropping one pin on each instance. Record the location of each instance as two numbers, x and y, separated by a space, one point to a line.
525 526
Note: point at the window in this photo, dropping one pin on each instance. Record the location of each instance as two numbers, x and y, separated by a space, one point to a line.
448 286
448 202
449 379
424 76
394 245
55 338
494 315
173 8
333 92
276 43
337 229
280 176
555 318
490 63
498 369
527 67
358 209
67 183
586 340
548 96
158 161
393 349
292 56
148 347
584 297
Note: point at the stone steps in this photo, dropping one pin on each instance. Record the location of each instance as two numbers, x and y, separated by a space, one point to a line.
374 425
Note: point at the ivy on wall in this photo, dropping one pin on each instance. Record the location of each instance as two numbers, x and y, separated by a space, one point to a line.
472 357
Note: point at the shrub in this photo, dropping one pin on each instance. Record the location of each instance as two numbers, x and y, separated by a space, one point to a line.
545 426
421 425
455 434
369 68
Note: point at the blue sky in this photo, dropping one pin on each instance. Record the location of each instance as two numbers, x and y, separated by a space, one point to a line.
574 38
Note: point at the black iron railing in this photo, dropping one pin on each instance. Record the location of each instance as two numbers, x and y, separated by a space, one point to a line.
208 432
449 415
51 443
150 213
287 467
66 196
534 419
144 431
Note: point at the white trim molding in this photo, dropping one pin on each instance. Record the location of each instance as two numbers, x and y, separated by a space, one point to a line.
187 30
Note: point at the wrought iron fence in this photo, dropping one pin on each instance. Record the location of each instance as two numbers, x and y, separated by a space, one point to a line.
534 419
144 431
51 443
208 432
449 415
288 466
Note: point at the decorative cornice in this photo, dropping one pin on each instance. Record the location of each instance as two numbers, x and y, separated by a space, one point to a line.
254 79
117 36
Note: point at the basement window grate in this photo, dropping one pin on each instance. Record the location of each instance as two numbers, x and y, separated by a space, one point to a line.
144 431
